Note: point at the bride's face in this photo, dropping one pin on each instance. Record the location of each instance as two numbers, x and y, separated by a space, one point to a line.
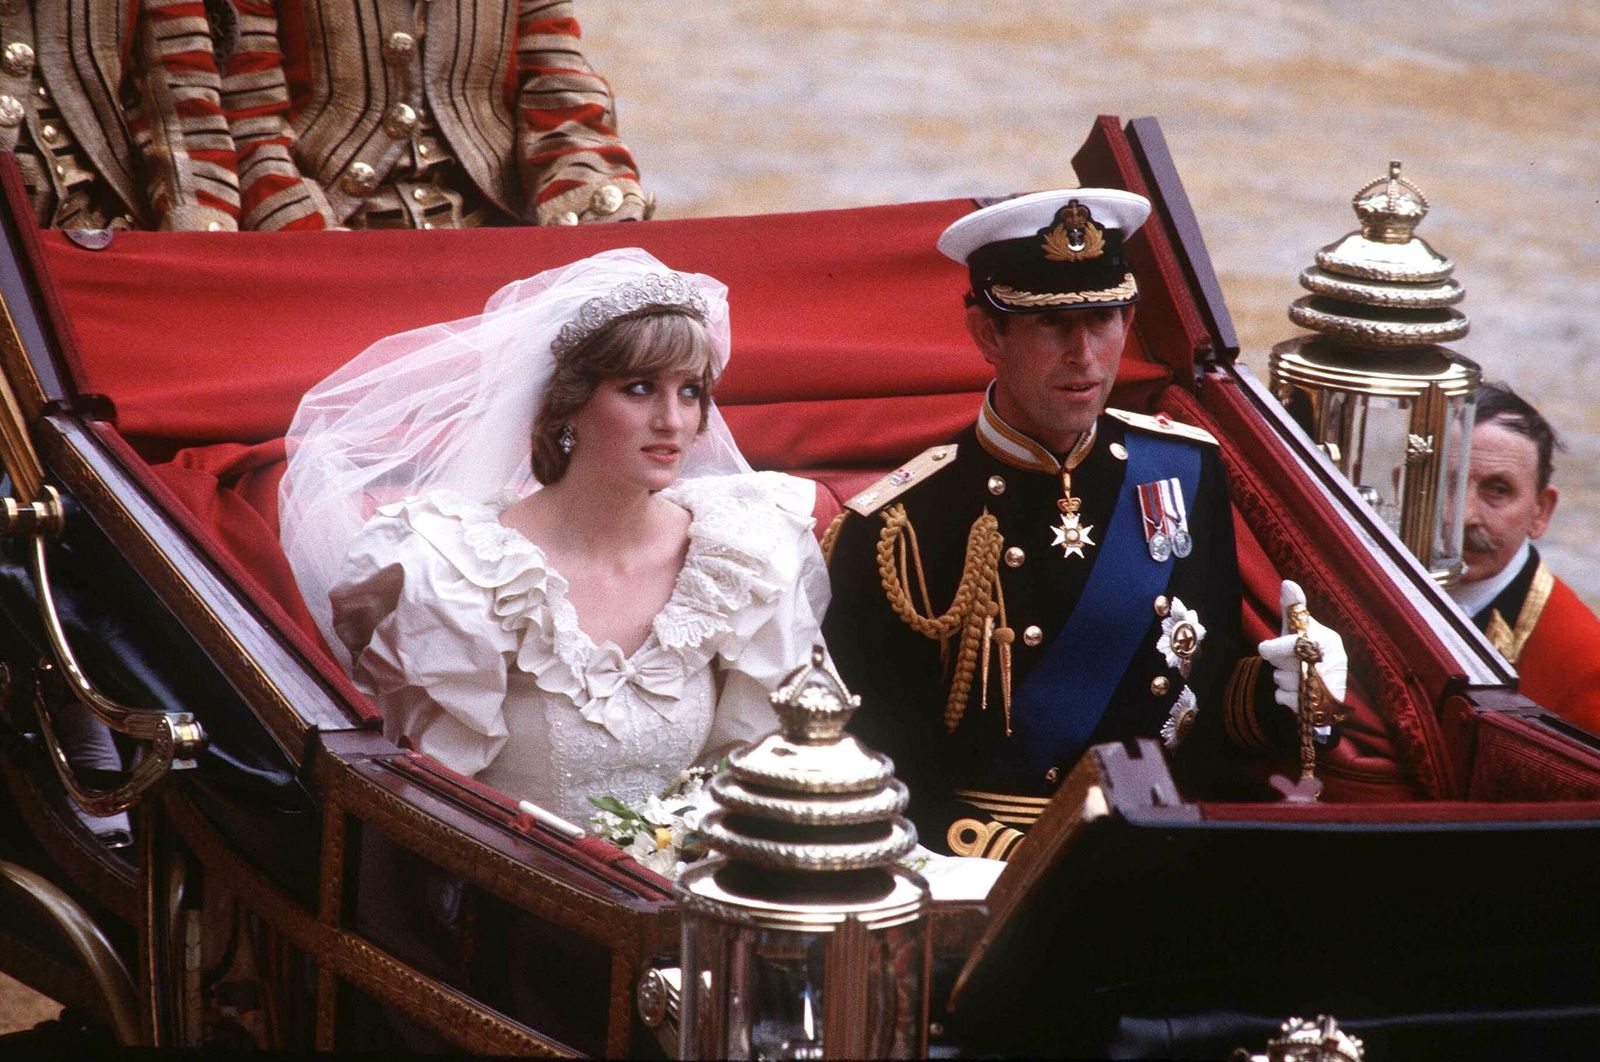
635 430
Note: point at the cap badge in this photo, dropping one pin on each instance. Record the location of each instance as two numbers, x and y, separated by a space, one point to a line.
1075 237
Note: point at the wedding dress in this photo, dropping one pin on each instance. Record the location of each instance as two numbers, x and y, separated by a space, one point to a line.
464 636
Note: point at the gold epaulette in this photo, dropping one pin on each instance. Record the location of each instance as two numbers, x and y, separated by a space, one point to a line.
902 479
1162 424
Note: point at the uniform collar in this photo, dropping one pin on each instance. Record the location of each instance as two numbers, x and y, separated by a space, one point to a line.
1011 446
1473 598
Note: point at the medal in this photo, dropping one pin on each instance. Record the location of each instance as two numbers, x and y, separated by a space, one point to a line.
1166 525
1181 636
1072 535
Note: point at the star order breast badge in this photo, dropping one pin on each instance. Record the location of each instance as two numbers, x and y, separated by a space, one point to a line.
1072 536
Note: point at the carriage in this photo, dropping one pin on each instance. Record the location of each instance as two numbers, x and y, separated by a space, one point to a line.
1435 899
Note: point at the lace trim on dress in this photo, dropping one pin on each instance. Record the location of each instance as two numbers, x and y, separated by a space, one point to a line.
723 573
728 569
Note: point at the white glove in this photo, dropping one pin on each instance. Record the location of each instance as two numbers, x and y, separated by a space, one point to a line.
1280 653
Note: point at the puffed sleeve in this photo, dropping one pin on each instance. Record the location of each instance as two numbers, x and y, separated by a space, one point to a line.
424 642
772 637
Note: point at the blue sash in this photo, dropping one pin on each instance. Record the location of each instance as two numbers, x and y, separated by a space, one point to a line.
1068 691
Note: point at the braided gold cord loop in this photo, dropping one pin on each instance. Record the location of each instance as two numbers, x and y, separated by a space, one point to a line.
830 537
969 609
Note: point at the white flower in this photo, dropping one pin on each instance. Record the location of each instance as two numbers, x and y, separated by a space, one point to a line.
659 829
1181 635
1180 719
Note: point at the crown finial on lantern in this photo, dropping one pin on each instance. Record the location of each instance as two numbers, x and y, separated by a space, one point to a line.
812 702
1382 286
1392 214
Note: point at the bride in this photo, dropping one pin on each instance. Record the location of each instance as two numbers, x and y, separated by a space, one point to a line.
536 546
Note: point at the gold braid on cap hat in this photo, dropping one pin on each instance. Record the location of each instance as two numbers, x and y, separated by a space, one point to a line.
1012 297
651 291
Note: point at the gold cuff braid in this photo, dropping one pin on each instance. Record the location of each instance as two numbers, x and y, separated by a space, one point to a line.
983 840
1239 708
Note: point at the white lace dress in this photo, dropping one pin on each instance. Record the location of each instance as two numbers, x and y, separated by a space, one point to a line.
464 637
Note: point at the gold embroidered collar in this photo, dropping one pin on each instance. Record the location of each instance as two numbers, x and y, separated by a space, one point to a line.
1014 448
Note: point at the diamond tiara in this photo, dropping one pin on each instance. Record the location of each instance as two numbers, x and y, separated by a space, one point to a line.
626 300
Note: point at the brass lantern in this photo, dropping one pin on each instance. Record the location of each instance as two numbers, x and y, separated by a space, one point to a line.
1372 386
802 936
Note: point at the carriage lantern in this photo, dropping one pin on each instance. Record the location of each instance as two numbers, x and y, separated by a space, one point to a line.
1372 386
802 936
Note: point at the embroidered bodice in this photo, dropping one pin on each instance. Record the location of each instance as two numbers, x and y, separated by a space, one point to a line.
465 638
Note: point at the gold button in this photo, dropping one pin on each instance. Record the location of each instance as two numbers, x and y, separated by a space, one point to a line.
1015 557
1119 451
607 200
938 455
422 149
49 132
1051 775
213 226
997 485
569 218
42 92
399 46
1032 635
1159 685
18 59
11 111
359 179
419 194
429 225
61 171
401 121
1161 605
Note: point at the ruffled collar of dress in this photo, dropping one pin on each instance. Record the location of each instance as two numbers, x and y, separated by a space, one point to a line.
726 569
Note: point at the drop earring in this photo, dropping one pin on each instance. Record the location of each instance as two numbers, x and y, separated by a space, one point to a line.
567 439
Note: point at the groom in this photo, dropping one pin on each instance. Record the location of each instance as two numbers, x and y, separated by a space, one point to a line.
1059 574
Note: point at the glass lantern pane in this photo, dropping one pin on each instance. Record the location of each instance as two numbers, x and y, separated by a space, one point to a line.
1452 497
786 994
1371 434
895 996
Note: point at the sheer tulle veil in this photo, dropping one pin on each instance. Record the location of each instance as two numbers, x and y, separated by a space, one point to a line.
452 405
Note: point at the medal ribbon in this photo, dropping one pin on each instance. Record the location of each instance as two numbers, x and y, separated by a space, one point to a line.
1064 697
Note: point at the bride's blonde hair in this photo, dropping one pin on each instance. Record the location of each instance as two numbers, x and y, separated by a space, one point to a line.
665 339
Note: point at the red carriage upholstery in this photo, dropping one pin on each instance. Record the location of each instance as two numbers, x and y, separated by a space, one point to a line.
849 355
849 348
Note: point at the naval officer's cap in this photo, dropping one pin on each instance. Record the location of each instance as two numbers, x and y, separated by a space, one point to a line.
1045 251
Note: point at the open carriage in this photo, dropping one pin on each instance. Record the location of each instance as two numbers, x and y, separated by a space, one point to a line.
1436 900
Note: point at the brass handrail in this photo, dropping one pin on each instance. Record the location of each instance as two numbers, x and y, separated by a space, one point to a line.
105 966
174 731
175 738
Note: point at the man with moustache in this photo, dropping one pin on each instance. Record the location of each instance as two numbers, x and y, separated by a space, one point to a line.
1533 618
1060 574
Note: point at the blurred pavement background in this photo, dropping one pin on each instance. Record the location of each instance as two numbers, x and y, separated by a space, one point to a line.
1275 112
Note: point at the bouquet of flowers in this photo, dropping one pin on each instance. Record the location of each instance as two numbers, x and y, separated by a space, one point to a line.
663 831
